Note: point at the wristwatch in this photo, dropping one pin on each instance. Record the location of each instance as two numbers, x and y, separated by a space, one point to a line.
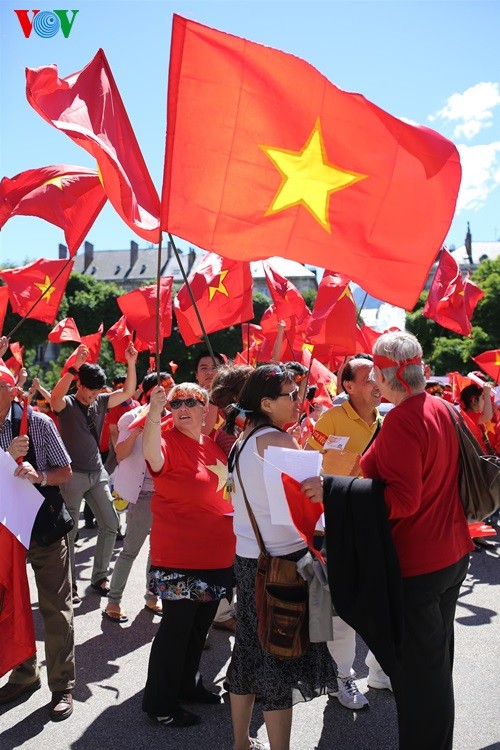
73 370
44 479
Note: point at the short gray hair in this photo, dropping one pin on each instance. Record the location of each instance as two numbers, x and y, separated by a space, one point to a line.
401 346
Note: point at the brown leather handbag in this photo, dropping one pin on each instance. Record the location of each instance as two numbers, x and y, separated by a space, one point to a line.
281 599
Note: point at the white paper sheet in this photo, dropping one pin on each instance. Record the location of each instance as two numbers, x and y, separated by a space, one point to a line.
298 464
20 501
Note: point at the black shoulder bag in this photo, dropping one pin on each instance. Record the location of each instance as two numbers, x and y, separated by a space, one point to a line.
53 520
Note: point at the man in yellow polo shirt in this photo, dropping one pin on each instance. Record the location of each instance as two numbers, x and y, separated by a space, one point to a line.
357 418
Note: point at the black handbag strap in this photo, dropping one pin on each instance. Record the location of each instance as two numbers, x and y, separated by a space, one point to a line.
377 430
89 420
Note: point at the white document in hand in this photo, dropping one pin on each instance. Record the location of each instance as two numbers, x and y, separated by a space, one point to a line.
20 501
298 464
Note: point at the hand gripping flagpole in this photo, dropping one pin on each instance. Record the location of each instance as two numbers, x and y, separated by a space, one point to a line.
193 301
35 303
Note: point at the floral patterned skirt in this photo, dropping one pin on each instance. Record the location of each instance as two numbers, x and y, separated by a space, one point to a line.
280 682
195 585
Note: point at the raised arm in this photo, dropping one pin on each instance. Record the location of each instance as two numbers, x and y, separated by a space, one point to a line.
151 439
130 384
61 388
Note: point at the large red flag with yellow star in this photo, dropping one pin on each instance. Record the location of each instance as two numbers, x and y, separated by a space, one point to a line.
266 157
69 197
222 290
42 282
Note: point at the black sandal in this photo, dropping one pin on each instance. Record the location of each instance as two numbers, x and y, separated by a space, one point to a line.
102 590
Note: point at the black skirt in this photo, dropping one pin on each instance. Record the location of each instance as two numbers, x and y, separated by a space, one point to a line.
280 682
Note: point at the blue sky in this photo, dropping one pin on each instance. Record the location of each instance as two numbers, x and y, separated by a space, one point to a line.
430 62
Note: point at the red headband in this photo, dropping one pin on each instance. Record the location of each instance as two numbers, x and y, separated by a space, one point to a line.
384 362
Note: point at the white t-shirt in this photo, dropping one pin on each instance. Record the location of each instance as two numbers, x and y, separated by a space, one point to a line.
278 540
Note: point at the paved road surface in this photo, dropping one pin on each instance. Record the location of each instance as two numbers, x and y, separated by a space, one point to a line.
112 662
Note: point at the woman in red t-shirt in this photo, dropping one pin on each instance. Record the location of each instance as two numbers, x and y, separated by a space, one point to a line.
192 549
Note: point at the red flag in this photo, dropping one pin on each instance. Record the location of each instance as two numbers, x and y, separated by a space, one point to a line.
223 292
15 363
63 331
320 376
251 336
120 337
139 309
17 352
333 319
69 197
290 348
366 338
17 633
4 298
37 281
458 383
288 301
87 106
489 362
266 157
305 515
445 303
472 295
93 343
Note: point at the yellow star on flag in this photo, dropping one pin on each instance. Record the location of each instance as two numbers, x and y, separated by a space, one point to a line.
212 290
308 178
497 360
346 293
220 471
57 181
46 288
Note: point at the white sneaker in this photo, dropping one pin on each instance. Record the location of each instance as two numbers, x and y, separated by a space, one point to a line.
379 681
349 695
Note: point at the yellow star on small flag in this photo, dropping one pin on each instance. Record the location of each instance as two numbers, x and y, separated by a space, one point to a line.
308 178
346 293
46 288
212 290
220 471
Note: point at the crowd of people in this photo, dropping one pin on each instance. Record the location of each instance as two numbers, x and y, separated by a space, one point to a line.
186 460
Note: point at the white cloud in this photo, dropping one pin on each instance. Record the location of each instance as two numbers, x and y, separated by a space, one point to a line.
480 174
472 110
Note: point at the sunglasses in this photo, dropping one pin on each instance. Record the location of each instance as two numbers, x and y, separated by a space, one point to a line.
293 395
176 403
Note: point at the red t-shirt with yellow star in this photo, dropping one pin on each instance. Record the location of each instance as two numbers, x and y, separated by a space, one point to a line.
191 528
